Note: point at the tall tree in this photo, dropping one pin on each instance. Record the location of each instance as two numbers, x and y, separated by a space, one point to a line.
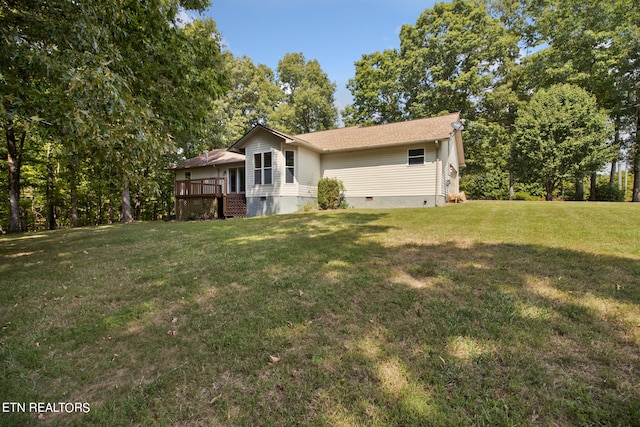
252 98
594 45
308 103
377 89
120 82
457 57
451 57
561 134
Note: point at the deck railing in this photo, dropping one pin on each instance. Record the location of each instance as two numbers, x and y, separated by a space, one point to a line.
213 187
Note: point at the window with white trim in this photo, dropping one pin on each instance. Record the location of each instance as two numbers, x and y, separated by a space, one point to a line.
416 156
262 168
289 162
236 180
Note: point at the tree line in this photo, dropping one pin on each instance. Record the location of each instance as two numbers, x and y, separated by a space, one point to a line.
99 97
550 89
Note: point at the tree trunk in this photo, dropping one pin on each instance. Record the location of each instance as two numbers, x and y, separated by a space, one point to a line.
14 162
73 188
592 191
548 186
636 162
512 186
613 173
99 213
112 191
126 204
636 176
579 190
51 211
614 162
138 209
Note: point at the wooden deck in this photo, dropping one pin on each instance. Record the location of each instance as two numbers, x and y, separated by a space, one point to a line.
208 187
207 199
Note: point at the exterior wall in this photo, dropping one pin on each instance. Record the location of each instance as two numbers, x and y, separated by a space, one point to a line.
206 172
382 178
274 205
281 197
200 173
274 198
386 202
264 142
308 173
374 178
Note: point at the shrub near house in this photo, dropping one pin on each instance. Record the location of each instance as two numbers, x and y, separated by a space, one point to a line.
330 193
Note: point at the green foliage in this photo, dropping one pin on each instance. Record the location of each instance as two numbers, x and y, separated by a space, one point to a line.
377 90
308 96
451 57
486 175
252 98
595 45
330 193
560 134
118 85
607 192
521 195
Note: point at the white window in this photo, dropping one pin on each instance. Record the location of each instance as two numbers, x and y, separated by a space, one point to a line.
416 156
289 158
262 168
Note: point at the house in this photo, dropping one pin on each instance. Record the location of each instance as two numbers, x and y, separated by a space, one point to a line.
407 164
210 186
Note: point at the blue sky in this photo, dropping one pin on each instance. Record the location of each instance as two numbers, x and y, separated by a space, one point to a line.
335 32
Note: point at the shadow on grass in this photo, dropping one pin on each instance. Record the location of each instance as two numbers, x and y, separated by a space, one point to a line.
323 320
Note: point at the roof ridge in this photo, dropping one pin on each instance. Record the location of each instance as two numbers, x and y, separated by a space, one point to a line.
375 126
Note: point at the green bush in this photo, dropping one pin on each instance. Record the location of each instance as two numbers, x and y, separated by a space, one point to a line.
608 193
522 195
330 193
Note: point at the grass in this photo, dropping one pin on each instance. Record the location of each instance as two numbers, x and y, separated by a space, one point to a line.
484 313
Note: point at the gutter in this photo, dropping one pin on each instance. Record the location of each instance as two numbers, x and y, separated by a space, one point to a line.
368 147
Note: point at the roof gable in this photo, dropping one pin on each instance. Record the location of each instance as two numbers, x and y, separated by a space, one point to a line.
242 142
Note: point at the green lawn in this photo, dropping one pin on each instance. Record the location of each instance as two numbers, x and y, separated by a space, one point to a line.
484 313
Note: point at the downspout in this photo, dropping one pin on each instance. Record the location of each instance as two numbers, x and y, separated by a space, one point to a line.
437 172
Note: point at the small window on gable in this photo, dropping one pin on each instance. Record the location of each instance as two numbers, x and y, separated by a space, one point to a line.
289 166
416 156
187 176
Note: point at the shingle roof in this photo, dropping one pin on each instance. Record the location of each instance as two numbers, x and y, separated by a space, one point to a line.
357 137
218 156
343 139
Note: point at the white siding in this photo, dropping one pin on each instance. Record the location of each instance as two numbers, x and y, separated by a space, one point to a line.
308 172
200 173
207 171
261 143
280 165
382 172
